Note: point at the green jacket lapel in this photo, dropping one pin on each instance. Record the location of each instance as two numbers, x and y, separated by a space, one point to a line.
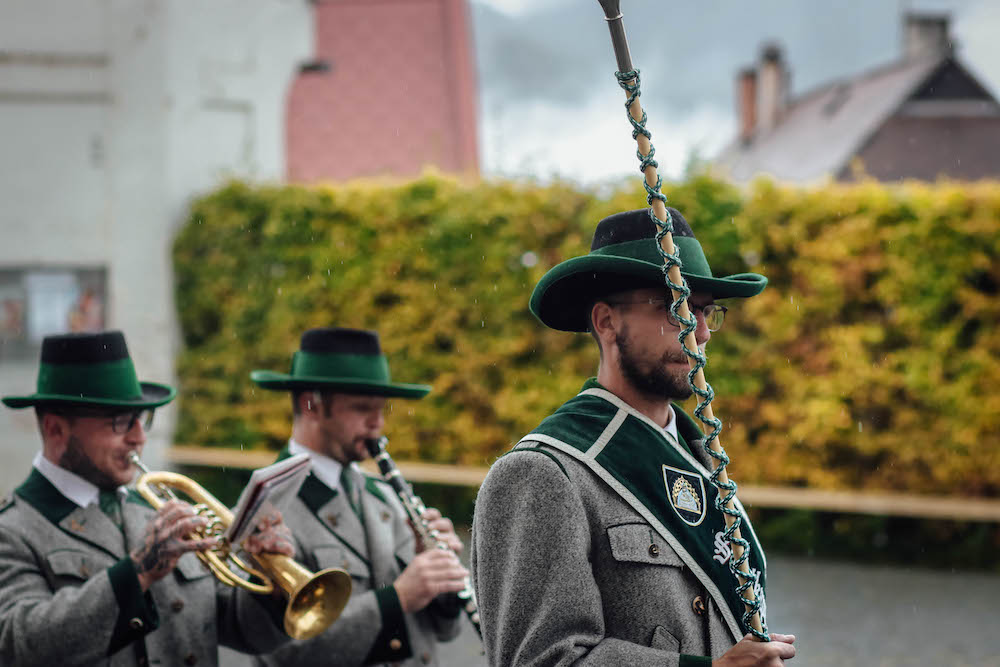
88 524
333 511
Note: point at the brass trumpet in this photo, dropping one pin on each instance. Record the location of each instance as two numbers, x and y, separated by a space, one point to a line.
315 601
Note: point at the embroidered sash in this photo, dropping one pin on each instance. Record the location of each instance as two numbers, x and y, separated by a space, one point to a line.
661 480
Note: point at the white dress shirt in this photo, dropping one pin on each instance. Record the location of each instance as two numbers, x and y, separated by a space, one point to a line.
325 468
71 485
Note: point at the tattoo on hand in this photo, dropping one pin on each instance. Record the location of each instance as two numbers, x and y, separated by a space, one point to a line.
160 549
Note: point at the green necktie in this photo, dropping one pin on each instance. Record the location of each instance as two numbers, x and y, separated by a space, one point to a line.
350 489
110 505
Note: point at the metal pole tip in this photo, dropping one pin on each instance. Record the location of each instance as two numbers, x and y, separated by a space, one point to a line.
612 8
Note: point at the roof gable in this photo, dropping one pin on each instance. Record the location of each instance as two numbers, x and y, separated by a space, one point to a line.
951 81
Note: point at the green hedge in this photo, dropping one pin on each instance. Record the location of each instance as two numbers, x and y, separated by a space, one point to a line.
871 361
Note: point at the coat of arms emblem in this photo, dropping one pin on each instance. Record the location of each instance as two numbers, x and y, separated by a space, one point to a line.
686 492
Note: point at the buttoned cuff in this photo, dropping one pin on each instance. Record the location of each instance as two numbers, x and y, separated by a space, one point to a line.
137 615
393 642
694 661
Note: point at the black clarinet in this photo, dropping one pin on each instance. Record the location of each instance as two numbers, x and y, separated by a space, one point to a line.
416 510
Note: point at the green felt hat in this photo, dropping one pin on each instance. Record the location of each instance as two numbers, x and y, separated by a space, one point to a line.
343 360
623 256
91 369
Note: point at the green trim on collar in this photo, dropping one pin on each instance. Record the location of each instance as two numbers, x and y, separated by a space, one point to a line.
687 427
314 493
136 499
694 661
41 494
371 486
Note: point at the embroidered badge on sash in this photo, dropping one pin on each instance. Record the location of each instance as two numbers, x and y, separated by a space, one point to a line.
686 492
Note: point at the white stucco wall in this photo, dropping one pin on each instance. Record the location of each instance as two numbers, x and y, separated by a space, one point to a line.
113 115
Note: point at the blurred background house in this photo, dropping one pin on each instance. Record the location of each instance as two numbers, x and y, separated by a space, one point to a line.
923 117
116 114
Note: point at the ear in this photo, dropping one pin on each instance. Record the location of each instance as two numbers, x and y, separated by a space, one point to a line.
55 434
604 322
307 403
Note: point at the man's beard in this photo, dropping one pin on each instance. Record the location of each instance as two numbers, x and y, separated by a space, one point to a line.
655 381
76 461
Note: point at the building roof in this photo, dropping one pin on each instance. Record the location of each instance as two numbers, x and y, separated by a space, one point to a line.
820 131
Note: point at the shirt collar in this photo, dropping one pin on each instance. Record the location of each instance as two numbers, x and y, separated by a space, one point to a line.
71 485
325 468
671 428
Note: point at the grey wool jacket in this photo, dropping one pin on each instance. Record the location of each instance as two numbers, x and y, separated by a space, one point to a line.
373 629
567 572
69 594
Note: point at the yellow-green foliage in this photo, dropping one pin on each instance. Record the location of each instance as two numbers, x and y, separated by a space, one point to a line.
871 361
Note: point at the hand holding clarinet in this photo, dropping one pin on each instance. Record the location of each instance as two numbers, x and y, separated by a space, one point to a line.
436 572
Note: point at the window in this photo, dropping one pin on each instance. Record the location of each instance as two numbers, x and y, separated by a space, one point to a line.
38 301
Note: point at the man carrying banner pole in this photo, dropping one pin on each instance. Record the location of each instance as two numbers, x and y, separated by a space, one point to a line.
599 539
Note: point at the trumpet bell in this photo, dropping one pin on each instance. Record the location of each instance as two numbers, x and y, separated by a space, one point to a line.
317 603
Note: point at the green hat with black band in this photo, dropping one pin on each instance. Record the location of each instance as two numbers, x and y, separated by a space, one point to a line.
624 255
342 360
92 369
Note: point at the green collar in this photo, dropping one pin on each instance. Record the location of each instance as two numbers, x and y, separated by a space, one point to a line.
687 427
41 494
315 493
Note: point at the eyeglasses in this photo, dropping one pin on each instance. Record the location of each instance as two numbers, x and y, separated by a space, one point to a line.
713 313
121 422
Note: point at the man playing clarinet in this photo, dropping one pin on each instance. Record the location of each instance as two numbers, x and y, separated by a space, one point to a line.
339 382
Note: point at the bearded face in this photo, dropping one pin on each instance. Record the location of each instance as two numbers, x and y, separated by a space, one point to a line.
657 375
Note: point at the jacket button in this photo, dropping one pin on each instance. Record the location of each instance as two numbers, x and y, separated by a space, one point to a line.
136 624
386 516
177 605
698 605
191 659
654 550
395 644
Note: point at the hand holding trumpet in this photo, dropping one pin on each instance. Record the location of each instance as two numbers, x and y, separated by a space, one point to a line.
169 536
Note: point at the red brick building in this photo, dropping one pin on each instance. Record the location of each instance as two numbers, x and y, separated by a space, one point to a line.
392 89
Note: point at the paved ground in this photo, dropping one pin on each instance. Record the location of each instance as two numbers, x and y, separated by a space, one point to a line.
853 615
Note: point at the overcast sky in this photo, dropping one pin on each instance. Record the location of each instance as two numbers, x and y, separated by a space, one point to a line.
549 103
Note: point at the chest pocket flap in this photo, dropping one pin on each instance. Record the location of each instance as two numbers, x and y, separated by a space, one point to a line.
639 543
344 559
76 564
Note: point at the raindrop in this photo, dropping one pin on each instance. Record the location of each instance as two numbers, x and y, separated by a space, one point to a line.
529 259
859 427
279 291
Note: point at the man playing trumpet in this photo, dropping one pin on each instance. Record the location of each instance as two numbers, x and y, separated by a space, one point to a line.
90 574
339 382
